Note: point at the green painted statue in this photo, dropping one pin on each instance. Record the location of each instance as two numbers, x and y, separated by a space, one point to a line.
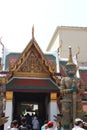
71 91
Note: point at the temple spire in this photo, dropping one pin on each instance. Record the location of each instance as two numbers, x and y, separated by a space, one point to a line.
33 32
70 60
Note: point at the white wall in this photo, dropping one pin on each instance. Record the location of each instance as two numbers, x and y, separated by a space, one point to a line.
70 36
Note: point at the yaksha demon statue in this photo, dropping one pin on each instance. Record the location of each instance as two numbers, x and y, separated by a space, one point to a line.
71 91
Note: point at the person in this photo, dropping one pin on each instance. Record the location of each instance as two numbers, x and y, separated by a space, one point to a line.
59 126
35 123
28 121
50 125
23 124
44 126
15 125
85 121
78 124
71 90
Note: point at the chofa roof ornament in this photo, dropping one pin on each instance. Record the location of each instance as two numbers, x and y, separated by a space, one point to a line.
33 32
70 60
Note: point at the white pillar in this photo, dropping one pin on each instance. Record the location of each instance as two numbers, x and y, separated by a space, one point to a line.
53 107
8 111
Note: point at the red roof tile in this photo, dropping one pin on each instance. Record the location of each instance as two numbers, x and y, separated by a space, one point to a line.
27 84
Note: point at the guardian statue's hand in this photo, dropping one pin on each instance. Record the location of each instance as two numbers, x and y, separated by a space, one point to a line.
74 89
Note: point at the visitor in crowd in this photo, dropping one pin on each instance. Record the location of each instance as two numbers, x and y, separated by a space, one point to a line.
59 126
50 125
23 124
28 121
35 123
85 121
15 125
44 126
78 124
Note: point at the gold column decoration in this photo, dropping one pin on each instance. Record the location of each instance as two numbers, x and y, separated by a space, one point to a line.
9 95
53 96
3 80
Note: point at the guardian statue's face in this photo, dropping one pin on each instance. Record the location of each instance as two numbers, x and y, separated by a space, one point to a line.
71 70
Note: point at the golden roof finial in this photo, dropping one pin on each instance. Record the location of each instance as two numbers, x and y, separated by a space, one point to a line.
78 51
70 60
33 31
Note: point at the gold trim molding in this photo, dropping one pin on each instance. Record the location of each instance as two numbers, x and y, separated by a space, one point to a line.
9 95
53 96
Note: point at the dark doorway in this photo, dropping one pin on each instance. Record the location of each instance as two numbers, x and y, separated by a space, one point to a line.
32 103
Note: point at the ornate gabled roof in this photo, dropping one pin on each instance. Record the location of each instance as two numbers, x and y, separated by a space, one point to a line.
33 63
11 59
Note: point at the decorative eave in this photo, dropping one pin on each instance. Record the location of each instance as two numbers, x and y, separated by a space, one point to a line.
31 84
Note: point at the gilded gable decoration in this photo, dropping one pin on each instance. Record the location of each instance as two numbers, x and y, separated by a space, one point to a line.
32 62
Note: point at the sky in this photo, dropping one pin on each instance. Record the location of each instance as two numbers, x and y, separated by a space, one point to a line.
18 16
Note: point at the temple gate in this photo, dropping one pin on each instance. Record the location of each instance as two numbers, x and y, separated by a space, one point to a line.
31 81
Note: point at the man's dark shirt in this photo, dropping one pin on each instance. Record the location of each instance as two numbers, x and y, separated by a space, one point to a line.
23 127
